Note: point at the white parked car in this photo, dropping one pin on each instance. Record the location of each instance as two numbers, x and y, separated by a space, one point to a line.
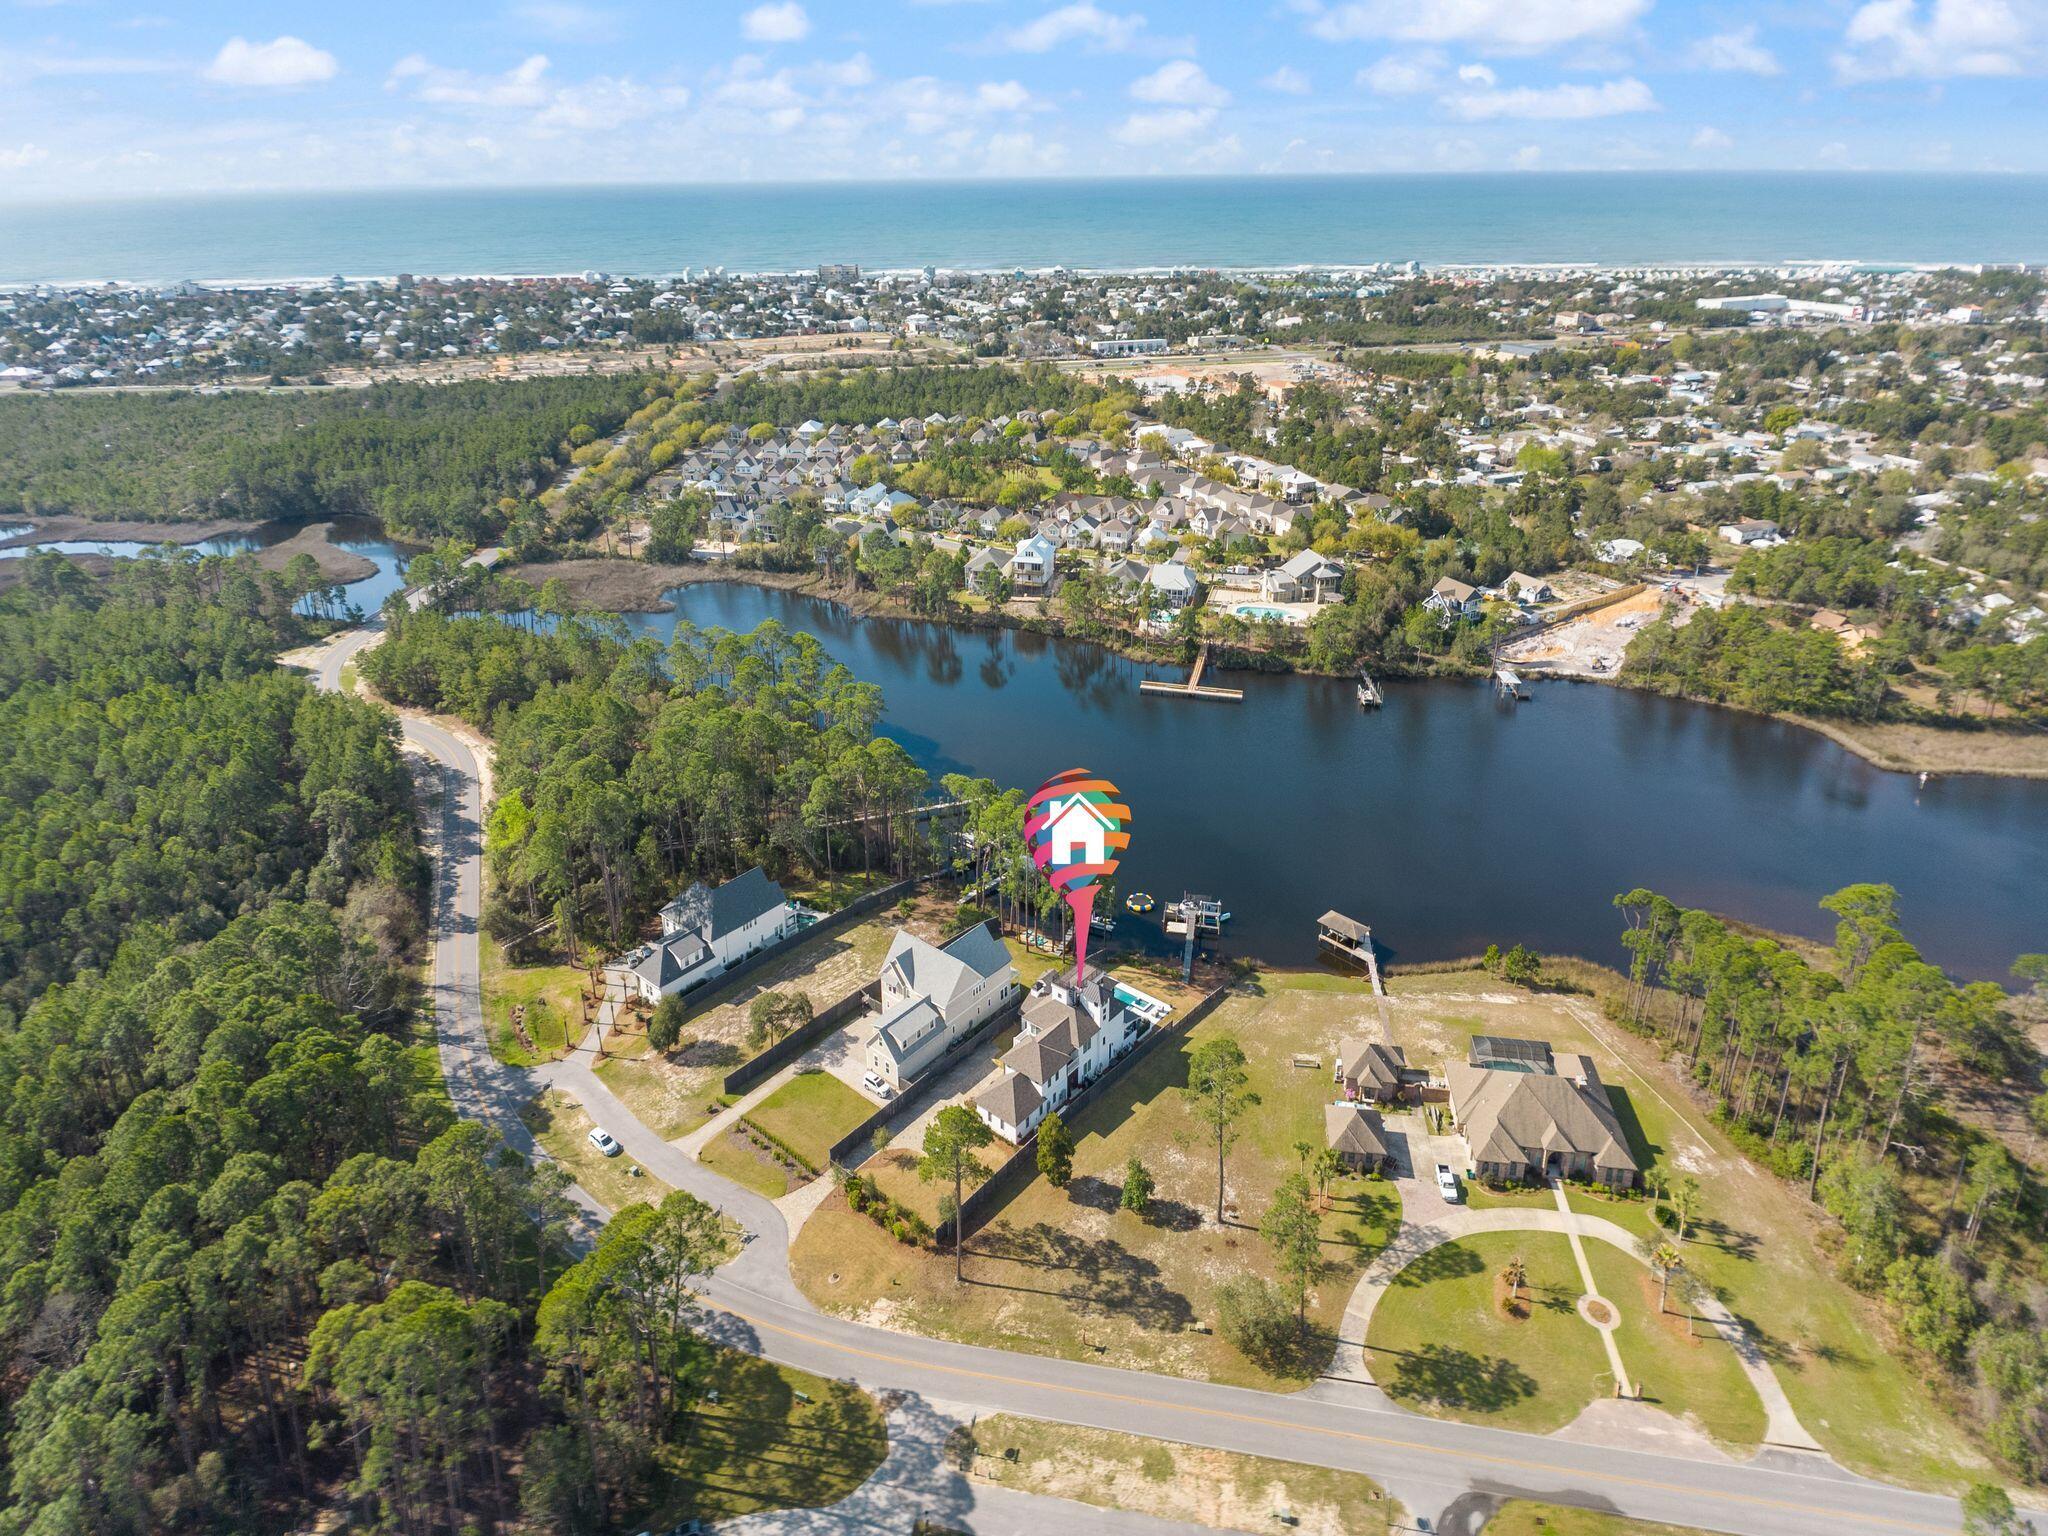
1447 1181
604 1141
874 1084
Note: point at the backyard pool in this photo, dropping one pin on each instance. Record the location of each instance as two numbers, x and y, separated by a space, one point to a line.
1260 611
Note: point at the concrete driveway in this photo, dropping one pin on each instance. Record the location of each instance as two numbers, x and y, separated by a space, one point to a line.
1413 1153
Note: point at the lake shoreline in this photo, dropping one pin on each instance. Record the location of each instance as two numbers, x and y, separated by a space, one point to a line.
61 527
1903 747
338 566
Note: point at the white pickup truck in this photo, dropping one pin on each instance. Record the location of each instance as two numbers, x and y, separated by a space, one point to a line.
1447 1181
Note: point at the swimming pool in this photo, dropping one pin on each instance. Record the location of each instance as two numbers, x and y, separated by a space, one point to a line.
1260 611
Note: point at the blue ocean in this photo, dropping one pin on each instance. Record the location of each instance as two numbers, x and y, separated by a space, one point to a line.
1609 219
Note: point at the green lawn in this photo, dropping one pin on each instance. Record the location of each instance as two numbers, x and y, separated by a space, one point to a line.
549 996
560 1125
1069 1273
762 1446
1526 1517
1439 1343
1678 1362
1169 1481
739 1159
810 1112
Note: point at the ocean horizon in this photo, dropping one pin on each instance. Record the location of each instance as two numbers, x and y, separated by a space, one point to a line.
1604 219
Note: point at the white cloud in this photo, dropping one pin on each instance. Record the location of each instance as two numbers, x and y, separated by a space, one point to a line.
598 104
21 156
1712 139
1288 81
1083 22
1021 154
1004 96
1181 83
780 21
1737 51
524 85
1490 26
1403 74
282 61
1527 158
1166 126
847 73
1478 74
1896 39
1610 98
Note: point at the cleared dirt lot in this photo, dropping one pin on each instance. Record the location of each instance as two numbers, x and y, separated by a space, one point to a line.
1591 646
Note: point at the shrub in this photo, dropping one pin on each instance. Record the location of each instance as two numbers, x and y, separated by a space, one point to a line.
1257 1321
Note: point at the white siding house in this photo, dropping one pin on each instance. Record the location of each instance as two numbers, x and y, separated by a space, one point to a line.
705 932
1070 1034
934 997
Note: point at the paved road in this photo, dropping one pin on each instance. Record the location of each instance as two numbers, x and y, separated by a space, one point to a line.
1432 1466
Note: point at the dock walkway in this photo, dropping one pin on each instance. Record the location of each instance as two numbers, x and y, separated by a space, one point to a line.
1353 939
1193 688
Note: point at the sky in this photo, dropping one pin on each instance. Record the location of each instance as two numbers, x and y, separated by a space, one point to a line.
109 98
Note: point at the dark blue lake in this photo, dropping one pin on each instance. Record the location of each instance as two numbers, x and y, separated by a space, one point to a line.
1446 820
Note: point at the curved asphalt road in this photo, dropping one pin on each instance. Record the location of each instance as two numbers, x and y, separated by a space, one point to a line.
1434 1466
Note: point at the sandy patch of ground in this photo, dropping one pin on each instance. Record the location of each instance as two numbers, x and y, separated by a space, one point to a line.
1639 1426
1591 646
1168 1481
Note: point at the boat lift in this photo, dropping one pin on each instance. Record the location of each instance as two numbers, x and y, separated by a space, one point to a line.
1508 685
1190 918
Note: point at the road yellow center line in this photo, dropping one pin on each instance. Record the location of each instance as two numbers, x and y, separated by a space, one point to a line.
1752 1500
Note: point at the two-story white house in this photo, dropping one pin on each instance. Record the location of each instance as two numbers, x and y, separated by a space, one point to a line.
705 932
1031 565
933 997
1070 1034
1306 578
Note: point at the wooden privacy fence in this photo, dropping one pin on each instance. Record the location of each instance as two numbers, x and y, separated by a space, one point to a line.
791 1046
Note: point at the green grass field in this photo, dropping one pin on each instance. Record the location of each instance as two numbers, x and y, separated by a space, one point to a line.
1678 1362
810 1112
549 996
731 1154
1439 1343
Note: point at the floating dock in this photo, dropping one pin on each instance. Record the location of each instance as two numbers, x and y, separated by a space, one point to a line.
1193 688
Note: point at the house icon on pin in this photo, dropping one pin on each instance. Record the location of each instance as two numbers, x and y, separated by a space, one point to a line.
1077 824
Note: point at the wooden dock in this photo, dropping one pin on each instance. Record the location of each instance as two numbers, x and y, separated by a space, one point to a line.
1353 940
1193 688
1369 695
1508 684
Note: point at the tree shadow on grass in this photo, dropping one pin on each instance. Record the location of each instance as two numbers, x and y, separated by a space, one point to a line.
1106 1276
1648 1153
1446 1261
1458 1379
708 1053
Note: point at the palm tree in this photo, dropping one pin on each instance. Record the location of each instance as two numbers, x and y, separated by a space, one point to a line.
1684 1199
1665 1260
1517 1275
